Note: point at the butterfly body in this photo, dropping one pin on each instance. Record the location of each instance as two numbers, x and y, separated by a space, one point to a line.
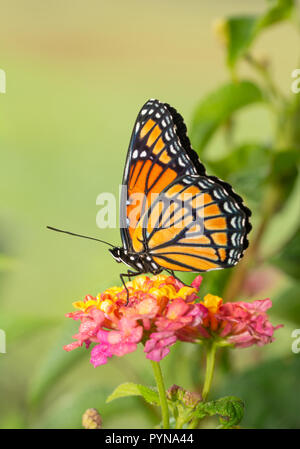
174 216
141 263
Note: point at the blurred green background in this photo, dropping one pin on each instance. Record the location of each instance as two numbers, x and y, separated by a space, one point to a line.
77 74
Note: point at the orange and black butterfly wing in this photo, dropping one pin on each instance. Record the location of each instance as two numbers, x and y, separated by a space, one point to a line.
196 224
159 152
171 210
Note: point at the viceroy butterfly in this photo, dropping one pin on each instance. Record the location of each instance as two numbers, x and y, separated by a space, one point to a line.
183 219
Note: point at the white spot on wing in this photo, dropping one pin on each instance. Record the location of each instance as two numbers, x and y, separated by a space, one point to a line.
233 239
227 207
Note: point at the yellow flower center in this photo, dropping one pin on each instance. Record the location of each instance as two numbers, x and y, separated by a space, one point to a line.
107 306
156 286
212 302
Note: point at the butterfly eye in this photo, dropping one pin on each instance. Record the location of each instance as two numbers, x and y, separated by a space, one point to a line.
115 252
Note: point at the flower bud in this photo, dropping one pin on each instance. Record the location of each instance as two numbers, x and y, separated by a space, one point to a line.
91 419
172 392
191 399
220 30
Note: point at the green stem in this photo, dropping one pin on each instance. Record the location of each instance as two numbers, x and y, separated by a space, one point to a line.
210 364
194 424
273 90
162 393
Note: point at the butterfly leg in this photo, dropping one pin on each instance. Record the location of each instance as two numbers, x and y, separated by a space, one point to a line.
129 275
171 272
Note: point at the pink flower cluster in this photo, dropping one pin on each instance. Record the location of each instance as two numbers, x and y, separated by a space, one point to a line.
246 324
161 311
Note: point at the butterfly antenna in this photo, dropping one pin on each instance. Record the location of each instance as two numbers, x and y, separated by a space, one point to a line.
79 235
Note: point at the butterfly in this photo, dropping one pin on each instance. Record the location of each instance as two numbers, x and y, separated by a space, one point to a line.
173 216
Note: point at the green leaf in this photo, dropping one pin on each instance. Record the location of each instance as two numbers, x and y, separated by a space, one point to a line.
284 171
280 10
56 364
229 409
240 31
132 389
284 164
216 108
288 258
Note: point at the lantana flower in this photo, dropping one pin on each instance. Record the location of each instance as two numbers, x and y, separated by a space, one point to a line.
161 310
241 324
